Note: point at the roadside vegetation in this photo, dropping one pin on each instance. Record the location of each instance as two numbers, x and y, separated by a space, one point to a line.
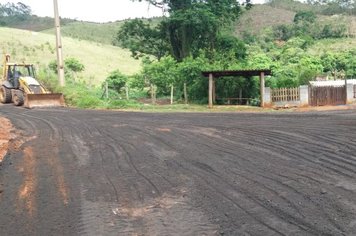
164 57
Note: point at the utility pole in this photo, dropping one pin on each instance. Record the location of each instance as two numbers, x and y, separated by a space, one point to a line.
60 64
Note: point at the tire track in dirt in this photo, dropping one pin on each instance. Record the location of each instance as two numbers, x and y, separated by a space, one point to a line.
42 181
336 226
194 174
257 219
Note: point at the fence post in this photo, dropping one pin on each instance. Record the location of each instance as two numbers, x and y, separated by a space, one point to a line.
304 95
185 93
262 88
107 90
211 81
267 96
350 93
127 92
172 94
153 94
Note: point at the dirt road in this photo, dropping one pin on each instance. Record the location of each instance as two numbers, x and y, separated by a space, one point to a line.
115 173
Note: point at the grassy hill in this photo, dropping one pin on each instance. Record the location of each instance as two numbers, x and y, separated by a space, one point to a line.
263 16
39 48
259 17
96 32
33 23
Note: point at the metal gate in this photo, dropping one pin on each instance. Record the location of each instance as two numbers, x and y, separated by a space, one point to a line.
328 95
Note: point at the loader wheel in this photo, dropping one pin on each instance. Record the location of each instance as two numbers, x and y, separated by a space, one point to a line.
18 99
5 95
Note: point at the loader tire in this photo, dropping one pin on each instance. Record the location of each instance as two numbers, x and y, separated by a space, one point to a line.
18 99
5 95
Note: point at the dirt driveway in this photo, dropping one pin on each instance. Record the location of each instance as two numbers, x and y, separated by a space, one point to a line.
115 173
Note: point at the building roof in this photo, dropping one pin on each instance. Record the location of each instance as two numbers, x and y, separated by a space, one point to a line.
331 83
247 73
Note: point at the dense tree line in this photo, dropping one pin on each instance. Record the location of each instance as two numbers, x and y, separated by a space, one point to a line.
305 24
14 12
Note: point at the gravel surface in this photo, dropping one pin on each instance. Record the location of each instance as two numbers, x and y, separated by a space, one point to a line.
115 173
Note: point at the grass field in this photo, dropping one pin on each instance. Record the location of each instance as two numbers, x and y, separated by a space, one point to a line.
97 32
89 31
39 48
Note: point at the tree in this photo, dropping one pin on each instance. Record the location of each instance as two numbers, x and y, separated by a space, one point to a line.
12 9
142 39
190 30
193 25
11 12
74 64
162 74
304 16
116 81
71 67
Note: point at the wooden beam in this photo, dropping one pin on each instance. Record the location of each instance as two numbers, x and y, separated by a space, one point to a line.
211 81
262 88
214 90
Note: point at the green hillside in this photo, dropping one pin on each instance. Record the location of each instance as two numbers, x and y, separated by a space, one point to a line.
96 32
264 16
259 17
332 45
39 48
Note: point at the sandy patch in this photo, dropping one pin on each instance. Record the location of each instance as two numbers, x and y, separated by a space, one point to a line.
5 136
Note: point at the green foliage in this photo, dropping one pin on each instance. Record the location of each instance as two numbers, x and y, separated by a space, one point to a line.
334 63
189 71
142 39
116 81
162 74
339 7
73 64
11 9
71 67
309 29
304 16
194 25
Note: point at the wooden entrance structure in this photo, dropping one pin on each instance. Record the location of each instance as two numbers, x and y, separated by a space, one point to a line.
212 75
327 95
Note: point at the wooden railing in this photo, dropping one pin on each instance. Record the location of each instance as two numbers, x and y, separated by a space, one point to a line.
285 94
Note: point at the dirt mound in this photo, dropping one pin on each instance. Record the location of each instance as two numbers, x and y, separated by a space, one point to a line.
5 136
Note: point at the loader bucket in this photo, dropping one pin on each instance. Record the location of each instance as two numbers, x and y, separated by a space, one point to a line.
44 100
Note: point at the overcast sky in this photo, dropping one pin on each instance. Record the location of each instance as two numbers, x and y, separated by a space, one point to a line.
93 10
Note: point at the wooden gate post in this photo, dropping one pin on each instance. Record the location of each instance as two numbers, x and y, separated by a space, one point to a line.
262 88
185 94
211 78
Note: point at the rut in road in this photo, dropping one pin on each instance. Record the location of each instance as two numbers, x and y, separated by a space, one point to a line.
115 173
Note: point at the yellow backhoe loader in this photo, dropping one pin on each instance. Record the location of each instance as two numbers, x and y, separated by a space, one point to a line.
19 86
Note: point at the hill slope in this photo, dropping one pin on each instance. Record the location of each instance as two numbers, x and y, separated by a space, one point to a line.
39 48
96 32
260 17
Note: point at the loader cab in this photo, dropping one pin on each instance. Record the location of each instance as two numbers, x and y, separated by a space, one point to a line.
16 71
21 71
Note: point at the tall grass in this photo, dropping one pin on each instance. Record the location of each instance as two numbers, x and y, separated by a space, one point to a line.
39 48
